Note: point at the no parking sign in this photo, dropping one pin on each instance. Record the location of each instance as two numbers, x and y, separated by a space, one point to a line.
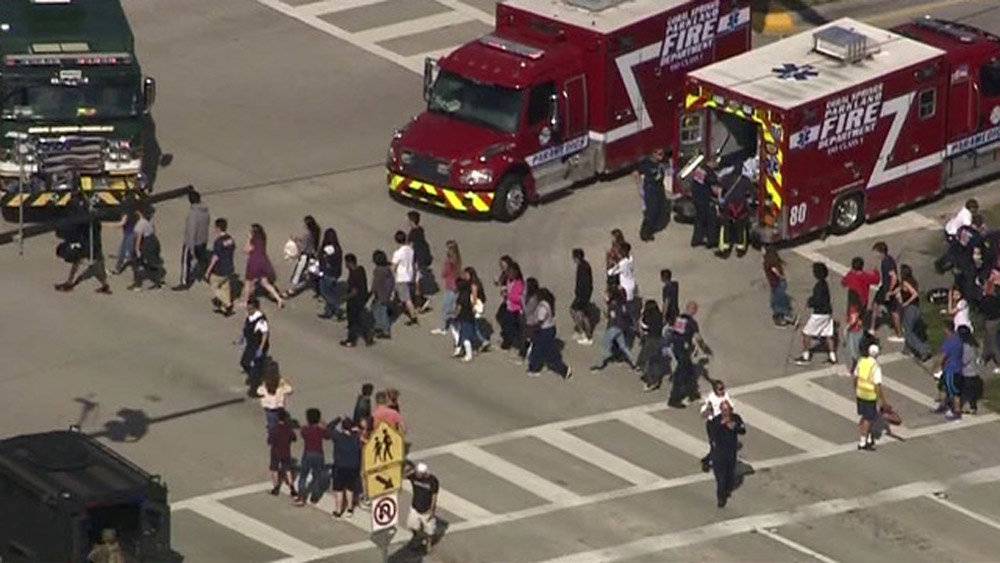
385 512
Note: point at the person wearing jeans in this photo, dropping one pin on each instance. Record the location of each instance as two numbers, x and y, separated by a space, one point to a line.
331 262
544 351
313 462
619 320
382 288
781 305
449 273
909 299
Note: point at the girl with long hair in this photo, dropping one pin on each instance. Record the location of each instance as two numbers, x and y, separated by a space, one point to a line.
259 271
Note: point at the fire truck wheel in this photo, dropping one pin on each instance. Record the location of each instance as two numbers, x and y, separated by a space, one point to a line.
848 214
510 200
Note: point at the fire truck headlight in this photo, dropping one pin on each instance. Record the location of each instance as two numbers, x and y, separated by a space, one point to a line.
477 177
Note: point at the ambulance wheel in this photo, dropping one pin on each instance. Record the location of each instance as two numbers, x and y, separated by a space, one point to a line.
848 214
510 200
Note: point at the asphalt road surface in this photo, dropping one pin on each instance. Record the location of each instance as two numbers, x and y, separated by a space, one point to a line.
279 109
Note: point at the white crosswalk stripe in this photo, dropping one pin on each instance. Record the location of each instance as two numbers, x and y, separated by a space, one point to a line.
253 529
558 435
597 456
370 39
782 430
333 6
517 475
896 386
666 433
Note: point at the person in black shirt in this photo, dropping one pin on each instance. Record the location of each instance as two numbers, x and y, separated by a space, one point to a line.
422 259
650 175
583 330
670 296
651 359
685 336
220 270
422 520
820 323
363 405
331 258
619 322
885 295
703 185
256 339
83 242
725 443
357 296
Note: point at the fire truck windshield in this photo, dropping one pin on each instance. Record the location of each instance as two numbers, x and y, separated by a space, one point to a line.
32 101
485 104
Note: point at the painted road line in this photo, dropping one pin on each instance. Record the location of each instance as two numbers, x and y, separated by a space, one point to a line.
324 7
663 484
342 34
782 430
665 433
455 504
981 518
254 529
804 513
594 455
536 485
794 545
419 58
533 431
468 10
410 27
823 397
896 386
359 520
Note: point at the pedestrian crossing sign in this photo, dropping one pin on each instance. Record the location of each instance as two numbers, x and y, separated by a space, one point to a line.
384 449
384 480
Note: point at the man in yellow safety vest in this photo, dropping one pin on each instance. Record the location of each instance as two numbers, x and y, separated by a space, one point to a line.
868 386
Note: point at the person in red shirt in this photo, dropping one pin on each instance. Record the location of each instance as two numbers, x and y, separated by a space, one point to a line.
861 282
312 462
385 413
280 438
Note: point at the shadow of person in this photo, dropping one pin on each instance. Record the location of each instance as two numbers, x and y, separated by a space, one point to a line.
131 426
413 550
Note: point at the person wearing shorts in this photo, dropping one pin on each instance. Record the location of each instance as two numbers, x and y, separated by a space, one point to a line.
422 519
868 391
820 322
346 466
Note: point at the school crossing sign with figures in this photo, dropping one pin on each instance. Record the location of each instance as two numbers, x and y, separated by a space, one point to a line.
382 461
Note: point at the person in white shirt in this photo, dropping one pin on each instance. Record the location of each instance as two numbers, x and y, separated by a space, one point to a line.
625 270
402 268
711 409
273 393
961 219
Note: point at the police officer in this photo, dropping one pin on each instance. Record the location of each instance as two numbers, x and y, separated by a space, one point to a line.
703 183
725 444
256 341
650 176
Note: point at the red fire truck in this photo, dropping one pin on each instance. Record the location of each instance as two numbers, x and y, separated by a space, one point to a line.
848 122
560 92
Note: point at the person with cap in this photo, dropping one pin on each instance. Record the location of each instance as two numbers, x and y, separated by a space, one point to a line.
108 550
869 394
422 520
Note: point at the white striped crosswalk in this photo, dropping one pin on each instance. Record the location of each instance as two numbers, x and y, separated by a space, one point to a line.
322 15
559 436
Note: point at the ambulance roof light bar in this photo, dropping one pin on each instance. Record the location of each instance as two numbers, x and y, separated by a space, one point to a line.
51 1
595 5
843 44
953 30
512 47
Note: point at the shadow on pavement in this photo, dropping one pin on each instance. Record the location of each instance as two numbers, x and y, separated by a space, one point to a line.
132 424
412 551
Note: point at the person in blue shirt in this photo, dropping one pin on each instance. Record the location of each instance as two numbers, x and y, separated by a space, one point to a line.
951 373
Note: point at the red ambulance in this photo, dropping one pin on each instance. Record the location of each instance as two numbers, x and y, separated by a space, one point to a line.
560 92
848 122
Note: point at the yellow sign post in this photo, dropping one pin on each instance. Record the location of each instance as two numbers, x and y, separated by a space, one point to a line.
382 461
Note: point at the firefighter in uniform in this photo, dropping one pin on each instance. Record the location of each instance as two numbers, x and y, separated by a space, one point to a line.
868 386
256 343
702 186
734 219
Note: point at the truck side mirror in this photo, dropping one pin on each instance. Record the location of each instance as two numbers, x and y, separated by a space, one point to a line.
148 93
554 120
431 69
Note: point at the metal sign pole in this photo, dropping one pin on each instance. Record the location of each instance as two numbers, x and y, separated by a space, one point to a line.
21 150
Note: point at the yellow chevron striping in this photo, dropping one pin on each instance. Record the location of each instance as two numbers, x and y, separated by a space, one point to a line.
395 181
453 200
478 203
43 199
107 198
16 200
64 200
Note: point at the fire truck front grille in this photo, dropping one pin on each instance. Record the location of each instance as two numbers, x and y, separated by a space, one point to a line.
428 169
82 155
